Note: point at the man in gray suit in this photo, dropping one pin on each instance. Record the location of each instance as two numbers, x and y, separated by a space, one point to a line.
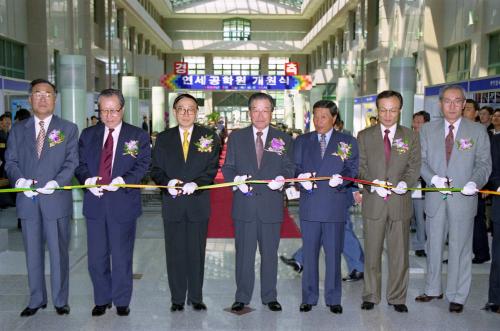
388 154
258 152
455 152
42 153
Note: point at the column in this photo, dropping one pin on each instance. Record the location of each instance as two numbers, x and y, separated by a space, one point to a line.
158 108
72 90
402 78
345 101
130 90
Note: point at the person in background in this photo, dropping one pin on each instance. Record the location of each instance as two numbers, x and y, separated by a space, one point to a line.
93 120
145 125
373 121
485 114
471 110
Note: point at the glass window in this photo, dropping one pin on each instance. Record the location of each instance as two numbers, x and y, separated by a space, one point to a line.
236 65
494 54
11 59
196 64
276 66
236 29
458 62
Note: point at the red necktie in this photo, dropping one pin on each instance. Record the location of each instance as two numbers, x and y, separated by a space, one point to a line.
387 146
449 140
106 159
259 148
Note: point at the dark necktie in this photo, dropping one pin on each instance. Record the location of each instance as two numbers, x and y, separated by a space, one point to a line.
259 148
322 144
106 159
449 141
387 146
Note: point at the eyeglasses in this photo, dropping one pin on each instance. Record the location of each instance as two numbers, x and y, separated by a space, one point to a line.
42 94
392 110
185 111
112 112
261 110
456 102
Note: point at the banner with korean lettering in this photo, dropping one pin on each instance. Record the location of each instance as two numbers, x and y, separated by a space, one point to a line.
235 82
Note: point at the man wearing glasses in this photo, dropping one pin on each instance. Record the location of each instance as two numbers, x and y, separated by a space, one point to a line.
389 154
455 153
258 152
111 153
42 153
185 157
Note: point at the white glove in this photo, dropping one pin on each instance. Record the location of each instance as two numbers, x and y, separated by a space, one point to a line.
189 188
441 182
469 189
111 187
244 188
48 188
97 191
381 191
335 181
307 185
26 183
401 188
498 189
276 183
174 191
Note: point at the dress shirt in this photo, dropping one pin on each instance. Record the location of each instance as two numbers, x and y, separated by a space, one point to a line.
116 134
46 123
392 132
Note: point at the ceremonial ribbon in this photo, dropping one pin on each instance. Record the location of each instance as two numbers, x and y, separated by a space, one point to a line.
261 181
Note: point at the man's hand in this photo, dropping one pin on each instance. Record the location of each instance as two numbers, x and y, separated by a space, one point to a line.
441 182
335 181
401 188
174 191
26 183
244 188
358 198
111 187
49 188
307 185
97 191
277 183
381 191
189 188
469 189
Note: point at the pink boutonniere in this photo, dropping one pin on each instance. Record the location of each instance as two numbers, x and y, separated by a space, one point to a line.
55 137
343 151
205 144
131 148
400 145
277 145
464 144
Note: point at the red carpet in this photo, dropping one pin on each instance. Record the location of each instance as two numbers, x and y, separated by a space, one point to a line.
221 224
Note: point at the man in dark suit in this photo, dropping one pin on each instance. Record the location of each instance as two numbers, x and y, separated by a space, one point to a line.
493 304
324 152
258 152
111 153
186 155
389 154
42 152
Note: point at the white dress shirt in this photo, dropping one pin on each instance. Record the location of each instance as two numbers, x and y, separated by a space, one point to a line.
392 132
46 123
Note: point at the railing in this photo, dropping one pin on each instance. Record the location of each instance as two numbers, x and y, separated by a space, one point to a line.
219 35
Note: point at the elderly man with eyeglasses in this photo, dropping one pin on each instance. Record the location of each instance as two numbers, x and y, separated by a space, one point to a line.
112 153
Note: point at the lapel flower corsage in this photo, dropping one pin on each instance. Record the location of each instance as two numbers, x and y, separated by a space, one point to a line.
55 137
401 145
343 151
277 145
131 148
205 144
464 144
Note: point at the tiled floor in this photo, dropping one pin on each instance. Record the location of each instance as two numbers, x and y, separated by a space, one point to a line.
151 298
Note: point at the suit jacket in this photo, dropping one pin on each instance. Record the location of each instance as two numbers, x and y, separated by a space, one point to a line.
494 182
263 204
472 164
200 167
403 166
325 204
125 203
56 163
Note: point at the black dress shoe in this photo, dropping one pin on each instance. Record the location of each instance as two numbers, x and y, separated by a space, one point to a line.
426 298
292 263
400 308
367 305
420 253
31 311
274 306
100 310
354 276
64 310
123 311
336 309
176 307
305 307
494 308
456 307
237 306
199 306
479 260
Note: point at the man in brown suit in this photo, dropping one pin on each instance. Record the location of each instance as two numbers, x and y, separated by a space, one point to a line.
389 154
